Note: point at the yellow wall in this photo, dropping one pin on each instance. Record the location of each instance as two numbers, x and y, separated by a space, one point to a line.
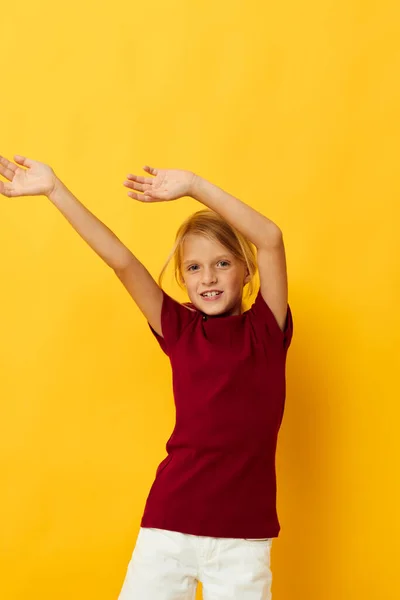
292 106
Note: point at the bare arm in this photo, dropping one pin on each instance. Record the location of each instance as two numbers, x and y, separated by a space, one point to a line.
262 232
130 271
170 184
99 237
257 228
39 179
144 290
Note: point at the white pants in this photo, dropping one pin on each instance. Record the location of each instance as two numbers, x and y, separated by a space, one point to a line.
167 565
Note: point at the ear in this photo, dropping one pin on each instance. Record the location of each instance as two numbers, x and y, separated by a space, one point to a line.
247 277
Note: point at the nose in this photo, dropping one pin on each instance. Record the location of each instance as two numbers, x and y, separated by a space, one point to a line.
209 276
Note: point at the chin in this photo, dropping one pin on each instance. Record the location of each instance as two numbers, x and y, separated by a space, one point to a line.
216 311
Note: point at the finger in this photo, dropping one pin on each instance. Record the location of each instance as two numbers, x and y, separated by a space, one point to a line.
140 187
140 179
7 169
140 197
150 170
22 160
7 190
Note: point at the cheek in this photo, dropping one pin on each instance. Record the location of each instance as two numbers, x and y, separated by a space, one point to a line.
234 279
191 284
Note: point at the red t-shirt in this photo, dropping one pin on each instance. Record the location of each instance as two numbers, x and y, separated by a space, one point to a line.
229 388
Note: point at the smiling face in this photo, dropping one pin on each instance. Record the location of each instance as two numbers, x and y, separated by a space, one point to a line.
207 266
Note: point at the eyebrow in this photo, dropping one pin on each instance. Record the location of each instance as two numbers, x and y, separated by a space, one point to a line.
222 256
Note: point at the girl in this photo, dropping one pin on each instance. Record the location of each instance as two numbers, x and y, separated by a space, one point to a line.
211 514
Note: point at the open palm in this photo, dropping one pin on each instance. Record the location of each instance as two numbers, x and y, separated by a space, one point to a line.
34 180
168 184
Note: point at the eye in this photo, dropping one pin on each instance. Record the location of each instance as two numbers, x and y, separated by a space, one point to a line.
192 267
224 263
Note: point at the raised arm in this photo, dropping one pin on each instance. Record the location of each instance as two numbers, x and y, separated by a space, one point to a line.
262 232
169 184
39 179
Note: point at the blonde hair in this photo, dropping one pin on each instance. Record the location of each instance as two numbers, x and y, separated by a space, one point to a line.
212 226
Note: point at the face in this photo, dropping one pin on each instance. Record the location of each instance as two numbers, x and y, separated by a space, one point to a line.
207 266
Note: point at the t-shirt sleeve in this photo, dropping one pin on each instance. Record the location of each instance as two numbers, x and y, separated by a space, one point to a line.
175 317
263 316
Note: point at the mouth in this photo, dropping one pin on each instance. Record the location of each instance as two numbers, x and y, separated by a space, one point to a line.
211 296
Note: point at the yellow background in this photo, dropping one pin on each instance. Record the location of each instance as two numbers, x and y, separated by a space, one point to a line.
291 106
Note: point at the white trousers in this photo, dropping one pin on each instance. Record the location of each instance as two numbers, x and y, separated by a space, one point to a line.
167 565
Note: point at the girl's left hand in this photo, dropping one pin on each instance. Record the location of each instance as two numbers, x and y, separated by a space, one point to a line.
168 184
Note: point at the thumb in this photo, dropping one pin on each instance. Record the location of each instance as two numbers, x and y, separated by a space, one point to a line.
22 160
6 190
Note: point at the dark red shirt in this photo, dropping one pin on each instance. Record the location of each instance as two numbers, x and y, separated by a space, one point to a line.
218 478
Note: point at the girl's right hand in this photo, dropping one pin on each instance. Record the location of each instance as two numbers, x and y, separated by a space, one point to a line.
36 180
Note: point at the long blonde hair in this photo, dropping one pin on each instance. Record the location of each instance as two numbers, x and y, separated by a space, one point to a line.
211 225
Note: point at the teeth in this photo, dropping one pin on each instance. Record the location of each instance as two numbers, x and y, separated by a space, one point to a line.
211 294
